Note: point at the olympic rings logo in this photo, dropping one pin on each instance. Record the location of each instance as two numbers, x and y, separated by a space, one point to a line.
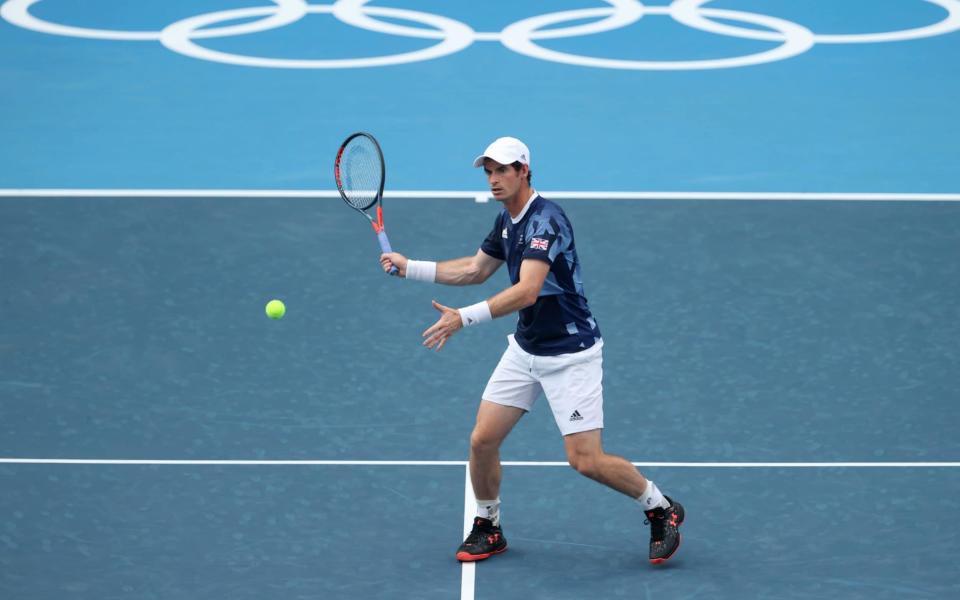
452 36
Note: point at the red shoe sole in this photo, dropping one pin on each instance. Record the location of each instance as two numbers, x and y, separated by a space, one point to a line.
467 557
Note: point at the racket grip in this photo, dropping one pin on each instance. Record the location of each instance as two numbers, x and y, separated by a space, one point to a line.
385 246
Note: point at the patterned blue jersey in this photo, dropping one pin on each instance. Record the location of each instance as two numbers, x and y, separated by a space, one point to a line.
560 321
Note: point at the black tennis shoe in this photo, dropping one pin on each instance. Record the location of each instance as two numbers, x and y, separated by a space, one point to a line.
484 541
664 531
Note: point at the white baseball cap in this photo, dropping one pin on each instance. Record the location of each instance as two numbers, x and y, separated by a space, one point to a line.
506 151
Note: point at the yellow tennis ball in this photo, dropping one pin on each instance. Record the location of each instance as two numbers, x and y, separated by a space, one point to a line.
276 309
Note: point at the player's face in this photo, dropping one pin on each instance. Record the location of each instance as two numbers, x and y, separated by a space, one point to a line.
504 181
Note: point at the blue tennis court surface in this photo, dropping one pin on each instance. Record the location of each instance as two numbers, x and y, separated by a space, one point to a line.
787 369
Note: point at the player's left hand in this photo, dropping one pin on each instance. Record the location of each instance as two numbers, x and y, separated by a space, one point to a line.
438 334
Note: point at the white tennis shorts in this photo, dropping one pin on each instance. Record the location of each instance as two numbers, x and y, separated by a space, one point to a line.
571 382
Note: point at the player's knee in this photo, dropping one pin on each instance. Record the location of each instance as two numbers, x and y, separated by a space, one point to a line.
482 442
583 463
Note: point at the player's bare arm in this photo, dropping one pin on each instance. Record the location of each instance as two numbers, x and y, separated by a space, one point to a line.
532 275
468 270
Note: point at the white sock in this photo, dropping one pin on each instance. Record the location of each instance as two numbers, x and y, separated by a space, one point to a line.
652 498
489 509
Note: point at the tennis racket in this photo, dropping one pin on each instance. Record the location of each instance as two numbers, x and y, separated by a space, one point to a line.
360 173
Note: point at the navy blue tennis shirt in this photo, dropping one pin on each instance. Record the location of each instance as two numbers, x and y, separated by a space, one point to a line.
559 322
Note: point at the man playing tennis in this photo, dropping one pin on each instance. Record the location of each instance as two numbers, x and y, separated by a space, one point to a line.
557 350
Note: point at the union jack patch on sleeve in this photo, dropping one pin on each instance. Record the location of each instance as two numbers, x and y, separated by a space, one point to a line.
539 244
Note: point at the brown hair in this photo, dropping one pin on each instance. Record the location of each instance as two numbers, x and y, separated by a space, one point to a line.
519 166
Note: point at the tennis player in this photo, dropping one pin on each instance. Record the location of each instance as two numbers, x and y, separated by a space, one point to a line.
556 350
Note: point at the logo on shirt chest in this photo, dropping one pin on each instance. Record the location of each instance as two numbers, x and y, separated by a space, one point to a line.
517 242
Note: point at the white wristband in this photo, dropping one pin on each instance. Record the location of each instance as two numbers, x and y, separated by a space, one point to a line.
422 270
475 314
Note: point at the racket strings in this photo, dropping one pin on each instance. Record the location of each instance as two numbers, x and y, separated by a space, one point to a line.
360 173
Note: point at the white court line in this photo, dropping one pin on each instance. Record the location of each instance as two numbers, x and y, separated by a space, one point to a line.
469 569
460 463
482 195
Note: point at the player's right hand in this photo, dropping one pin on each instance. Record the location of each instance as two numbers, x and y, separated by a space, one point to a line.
394 259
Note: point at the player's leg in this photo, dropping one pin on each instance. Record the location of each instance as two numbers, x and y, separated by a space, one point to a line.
573 386
509 394
585 454
494 423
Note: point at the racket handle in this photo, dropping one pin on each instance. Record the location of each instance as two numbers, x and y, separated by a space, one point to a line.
385 246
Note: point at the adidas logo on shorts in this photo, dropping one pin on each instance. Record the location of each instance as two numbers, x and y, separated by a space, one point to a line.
576 416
